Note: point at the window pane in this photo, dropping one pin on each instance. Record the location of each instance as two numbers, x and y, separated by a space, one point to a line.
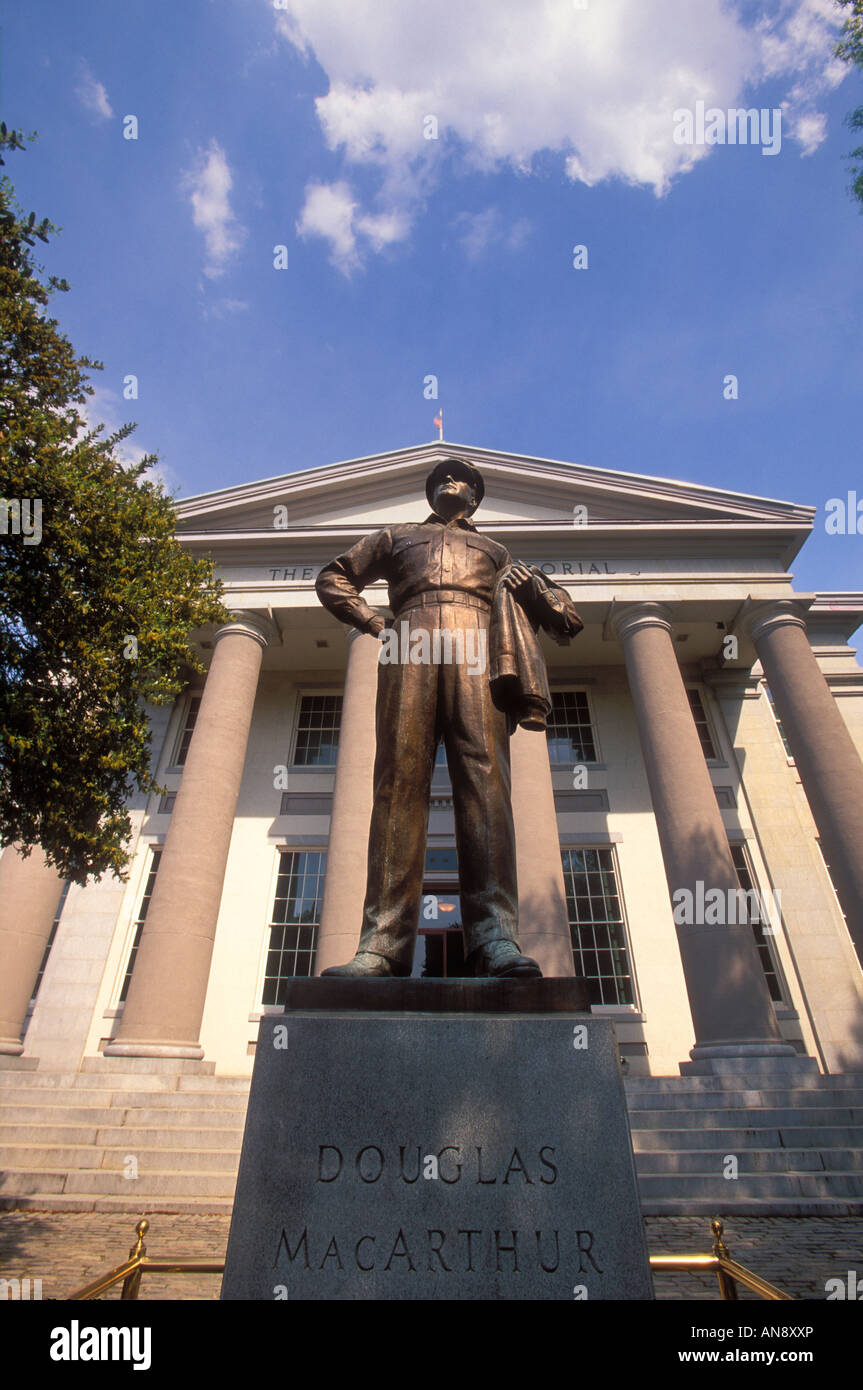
139 925
596 925
192 709
318 731
765 949
779 727
295 920
700 716
50 942
569 732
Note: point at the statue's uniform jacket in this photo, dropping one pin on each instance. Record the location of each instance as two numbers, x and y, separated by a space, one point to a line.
440 576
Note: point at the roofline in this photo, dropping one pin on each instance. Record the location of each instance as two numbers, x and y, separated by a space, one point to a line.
368 528
443 449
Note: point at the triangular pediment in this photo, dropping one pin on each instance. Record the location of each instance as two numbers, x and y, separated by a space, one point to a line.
520 490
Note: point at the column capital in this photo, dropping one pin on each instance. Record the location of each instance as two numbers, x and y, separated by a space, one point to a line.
626 618
244 623
760 616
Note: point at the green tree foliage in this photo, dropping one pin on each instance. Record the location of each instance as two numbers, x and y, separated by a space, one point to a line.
850 48
96 611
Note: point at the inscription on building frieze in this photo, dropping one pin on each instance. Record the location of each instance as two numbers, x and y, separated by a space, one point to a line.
302 573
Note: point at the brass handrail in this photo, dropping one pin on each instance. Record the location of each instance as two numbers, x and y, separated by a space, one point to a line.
131 1270
728 1272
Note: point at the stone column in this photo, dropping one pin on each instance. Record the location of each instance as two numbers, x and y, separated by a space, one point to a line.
543 930
165 1004
824 751
347 852
30 892
732 1014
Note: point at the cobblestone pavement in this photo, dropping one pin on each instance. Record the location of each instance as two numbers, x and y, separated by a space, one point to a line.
69 1249
796 1253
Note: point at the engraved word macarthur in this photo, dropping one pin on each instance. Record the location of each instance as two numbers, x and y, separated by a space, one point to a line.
446 581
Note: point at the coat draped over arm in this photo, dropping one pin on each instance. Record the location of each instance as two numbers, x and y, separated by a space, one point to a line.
517 672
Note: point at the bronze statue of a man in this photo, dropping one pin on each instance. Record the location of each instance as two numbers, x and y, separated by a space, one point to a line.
456 596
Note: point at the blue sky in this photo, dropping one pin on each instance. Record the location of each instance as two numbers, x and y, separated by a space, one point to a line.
302 123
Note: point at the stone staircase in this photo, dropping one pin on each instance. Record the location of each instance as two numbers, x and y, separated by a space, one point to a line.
66 1140
798 1144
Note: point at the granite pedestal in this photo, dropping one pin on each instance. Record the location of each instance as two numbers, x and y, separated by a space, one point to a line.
436 1139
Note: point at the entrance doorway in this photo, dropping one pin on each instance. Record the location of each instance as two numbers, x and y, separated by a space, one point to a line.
439 951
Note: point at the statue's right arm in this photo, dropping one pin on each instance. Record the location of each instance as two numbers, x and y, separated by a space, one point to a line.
339 584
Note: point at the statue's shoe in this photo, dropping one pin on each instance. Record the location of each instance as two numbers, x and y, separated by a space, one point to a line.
501 960
366 966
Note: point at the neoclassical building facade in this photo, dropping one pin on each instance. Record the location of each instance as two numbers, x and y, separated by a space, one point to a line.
705 741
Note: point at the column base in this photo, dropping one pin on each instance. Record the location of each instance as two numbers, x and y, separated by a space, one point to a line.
154 1049
760 1060
13 1061
11 1047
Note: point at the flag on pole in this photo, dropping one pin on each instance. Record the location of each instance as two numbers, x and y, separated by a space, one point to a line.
438 420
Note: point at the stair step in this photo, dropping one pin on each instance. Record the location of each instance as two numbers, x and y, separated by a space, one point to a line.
216 1116
132 1066
219 1117
744 1100
712 1162
227 1098
146 1138
104 1183
91 1081
240 1084
681 1085
117 1080
126 1099
80 1115
38 1135
136 1206
748 1206
790 1185
818 1137
25 1158
156 1184
20 1184
755 1118
733 1140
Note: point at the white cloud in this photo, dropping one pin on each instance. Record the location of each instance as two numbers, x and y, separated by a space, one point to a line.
207 186
221 308
331 211
383 228
92 94
481 230
808 128
509 82
328 212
